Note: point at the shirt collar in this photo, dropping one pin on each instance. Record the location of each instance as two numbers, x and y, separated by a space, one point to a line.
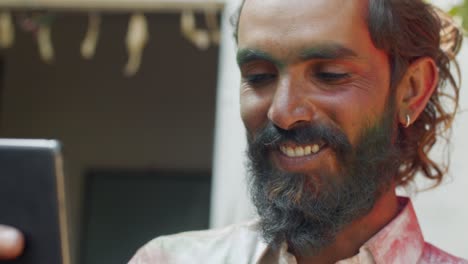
400 241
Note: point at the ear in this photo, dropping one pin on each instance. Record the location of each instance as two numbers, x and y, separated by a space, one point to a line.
415 89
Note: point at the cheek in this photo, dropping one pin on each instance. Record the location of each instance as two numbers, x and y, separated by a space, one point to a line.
355 110
254 110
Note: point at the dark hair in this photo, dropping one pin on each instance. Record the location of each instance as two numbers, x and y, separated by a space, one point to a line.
408 30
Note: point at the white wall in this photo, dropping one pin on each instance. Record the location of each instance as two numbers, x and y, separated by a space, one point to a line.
443 212
230 201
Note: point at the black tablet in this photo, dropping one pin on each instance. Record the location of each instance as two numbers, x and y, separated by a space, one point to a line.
32 198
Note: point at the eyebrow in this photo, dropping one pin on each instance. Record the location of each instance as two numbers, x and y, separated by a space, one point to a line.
247 55
328 52
321 52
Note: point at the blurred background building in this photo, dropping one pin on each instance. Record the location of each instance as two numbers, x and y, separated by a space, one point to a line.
143 94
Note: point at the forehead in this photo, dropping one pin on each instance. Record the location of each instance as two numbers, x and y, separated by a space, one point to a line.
285 28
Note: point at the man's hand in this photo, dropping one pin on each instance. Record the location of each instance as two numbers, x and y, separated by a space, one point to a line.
11 242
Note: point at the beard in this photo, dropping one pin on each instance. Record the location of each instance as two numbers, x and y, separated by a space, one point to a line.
307 211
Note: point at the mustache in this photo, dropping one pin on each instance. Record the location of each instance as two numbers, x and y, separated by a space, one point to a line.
272 136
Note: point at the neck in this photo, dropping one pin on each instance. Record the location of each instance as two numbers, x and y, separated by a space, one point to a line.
354 235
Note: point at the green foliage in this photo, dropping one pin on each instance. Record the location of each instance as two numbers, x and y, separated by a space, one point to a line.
461 11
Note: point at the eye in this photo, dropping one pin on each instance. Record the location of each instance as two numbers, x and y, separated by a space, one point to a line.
332 77
257 79
258 73
331 73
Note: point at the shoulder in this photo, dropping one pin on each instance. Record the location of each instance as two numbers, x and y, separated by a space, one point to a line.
208 246
434 255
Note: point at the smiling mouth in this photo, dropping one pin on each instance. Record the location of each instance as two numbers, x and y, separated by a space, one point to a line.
298 151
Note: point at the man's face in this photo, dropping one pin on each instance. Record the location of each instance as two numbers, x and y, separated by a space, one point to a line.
309 61
315 99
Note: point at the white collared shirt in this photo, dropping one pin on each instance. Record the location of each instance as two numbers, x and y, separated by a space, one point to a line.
400 241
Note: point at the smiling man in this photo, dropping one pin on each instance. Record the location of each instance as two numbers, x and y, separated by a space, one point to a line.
342 101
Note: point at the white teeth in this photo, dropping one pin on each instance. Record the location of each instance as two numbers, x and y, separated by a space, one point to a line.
290 152
315 148
283 149
299 151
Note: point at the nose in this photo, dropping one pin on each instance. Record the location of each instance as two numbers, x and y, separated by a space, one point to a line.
290 105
